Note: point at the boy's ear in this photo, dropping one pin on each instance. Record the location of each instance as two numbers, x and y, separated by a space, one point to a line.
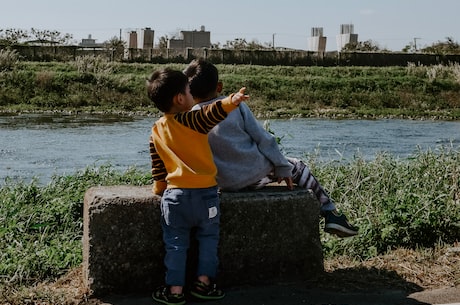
178 99
219 87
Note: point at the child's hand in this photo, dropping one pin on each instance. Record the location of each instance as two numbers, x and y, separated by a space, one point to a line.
237 98
289 182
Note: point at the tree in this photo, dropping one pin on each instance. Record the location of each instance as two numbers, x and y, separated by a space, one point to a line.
116 46
12 36
53 37
241 43
17 36
410 47
366 46
444 47
163 42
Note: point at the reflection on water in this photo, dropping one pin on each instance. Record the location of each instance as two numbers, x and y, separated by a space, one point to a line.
53 121
45 144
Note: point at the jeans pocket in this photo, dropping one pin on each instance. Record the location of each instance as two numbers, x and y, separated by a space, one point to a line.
170 201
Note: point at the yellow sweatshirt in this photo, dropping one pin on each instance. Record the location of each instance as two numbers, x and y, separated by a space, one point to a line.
179 149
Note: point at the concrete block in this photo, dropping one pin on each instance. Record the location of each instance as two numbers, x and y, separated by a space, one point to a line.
267 236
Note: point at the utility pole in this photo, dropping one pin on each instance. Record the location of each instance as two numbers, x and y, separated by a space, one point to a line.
273 40
415 43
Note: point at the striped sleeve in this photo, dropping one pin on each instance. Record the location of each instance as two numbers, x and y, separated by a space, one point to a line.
203 120
158 167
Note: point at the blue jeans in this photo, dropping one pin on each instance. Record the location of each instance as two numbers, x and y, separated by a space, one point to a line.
182 210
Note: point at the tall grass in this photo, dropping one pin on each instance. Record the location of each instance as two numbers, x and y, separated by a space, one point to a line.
40 235
397 203
9 59
92 84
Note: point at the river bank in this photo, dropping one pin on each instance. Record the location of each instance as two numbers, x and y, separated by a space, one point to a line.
337 114
90 85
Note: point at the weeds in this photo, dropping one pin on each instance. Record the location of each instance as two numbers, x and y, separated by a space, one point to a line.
41 231
397 203
9 59
94 83
435 72
413 203
93 65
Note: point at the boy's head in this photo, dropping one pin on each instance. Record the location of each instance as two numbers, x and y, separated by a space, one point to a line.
203 78
163 85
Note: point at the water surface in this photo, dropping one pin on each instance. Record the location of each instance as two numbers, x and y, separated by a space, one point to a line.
40 145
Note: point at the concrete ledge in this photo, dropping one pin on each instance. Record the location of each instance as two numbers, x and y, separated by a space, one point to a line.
269 235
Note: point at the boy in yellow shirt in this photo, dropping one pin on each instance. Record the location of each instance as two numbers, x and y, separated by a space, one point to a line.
185 175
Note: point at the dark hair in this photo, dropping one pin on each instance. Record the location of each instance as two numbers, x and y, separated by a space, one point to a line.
203 78
163 85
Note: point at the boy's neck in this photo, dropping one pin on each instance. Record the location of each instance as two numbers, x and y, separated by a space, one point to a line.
210 97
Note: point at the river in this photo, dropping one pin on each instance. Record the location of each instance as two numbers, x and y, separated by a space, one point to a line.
40 145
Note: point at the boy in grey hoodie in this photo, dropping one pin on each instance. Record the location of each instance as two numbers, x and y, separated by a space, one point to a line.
247 156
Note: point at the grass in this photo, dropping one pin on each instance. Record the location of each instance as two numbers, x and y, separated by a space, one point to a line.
411 204
93 85
41 231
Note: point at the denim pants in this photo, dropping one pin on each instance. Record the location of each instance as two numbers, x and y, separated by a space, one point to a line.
182 210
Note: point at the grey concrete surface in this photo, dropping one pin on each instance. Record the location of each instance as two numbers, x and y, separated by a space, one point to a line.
269 235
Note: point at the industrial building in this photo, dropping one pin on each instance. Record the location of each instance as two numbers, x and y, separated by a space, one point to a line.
141 39
317 42
191 39
346 36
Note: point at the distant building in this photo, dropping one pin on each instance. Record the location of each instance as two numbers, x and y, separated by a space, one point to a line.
146 39
191 39
132 40
346 36
90 43
141 39
317 42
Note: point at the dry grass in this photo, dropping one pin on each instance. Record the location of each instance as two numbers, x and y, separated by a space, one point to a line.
409 270
68 289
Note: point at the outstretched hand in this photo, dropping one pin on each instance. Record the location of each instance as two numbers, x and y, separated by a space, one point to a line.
238 97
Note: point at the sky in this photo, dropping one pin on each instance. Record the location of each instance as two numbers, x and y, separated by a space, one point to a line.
391 24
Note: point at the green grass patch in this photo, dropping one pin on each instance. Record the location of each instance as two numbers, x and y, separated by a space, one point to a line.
92 83
412 203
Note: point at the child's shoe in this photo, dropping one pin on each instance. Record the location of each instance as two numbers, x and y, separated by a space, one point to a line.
163 295
206 292
338 224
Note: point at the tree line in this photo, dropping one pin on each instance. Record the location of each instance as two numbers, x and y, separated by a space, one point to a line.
12 36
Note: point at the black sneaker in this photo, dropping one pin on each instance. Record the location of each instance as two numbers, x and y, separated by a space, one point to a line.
163 295
339 225
206 292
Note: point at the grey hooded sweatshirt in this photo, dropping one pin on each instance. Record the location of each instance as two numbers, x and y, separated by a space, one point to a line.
244 152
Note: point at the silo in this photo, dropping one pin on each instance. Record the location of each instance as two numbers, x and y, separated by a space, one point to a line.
346 36
146 39
132 40
317 42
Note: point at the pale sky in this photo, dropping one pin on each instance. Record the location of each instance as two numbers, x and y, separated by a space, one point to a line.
391 24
